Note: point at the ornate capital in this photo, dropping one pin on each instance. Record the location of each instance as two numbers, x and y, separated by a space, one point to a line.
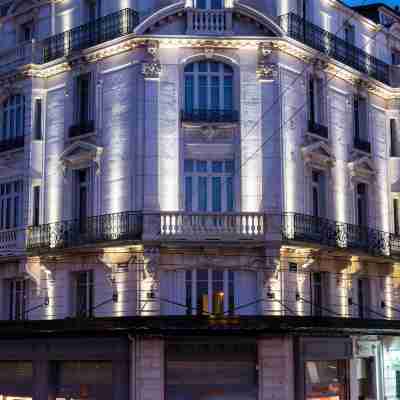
267 72
151 258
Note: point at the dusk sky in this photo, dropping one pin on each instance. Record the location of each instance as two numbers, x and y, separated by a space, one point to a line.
361 2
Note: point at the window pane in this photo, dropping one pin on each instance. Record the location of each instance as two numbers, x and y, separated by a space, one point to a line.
189 193
228 93
215 93
189 165
230 200
215 66
229 166
216 194
203 66
203 98
188 277
202 291
189 93
202 193
201 166
216 4
217 166
189 67
16 211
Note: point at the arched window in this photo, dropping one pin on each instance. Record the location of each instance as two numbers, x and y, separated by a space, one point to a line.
208 87
13 118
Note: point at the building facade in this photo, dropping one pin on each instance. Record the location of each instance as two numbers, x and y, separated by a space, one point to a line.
199 199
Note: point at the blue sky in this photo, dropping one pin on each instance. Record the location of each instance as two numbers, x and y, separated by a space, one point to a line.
358 2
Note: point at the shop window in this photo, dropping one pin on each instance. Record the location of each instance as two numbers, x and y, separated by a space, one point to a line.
327 380
211 370
209 186
83 379
16 380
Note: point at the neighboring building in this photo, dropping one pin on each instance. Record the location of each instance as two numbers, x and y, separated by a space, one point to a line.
199 200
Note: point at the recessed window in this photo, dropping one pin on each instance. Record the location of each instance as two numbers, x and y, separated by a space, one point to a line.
36 206
16 291
13 115
363 298
396 216
362 204
360 118
38 119
318 194
83 293
82 198
394 139
316 100
10 204
396 57
82 101
209 185
208 87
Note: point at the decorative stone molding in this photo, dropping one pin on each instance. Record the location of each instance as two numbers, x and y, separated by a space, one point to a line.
318 154
152 69
266 71
362 169
151 258
80 154
32 270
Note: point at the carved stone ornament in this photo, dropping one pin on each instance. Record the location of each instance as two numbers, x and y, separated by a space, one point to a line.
267 72
362 169
151 70
151 258
318 154
209 52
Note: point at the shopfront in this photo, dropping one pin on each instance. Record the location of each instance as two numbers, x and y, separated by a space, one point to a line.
323 368
211 369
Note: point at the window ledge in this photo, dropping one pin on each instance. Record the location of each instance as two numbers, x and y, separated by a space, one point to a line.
200 125
71 139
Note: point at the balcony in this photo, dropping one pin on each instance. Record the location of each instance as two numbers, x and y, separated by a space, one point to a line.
317 129
212 226
15 143
325 232
209 22
81 128
99 229
12 242
101 30
362 145
333 46
198 117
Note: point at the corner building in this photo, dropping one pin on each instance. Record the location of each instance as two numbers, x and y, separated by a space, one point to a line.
199 200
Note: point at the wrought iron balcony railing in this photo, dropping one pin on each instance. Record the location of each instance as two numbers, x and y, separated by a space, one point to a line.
17 142
325 232
101 30
210 116
81 128
12 242
314 36
362 145
318 129
102 228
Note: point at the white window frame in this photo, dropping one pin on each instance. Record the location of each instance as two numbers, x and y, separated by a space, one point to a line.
221 74
209 175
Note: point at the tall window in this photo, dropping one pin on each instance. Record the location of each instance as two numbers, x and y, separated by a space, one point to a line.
93 9
320 292
82 101
394 139
13 117
83 293
362 204
38 119
10 204
350 34
27 32
360 118
209 4
82 198
209 185
210 291
396 216
363 298
17 298
318 194
396 57
316 100
208 87
36 206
